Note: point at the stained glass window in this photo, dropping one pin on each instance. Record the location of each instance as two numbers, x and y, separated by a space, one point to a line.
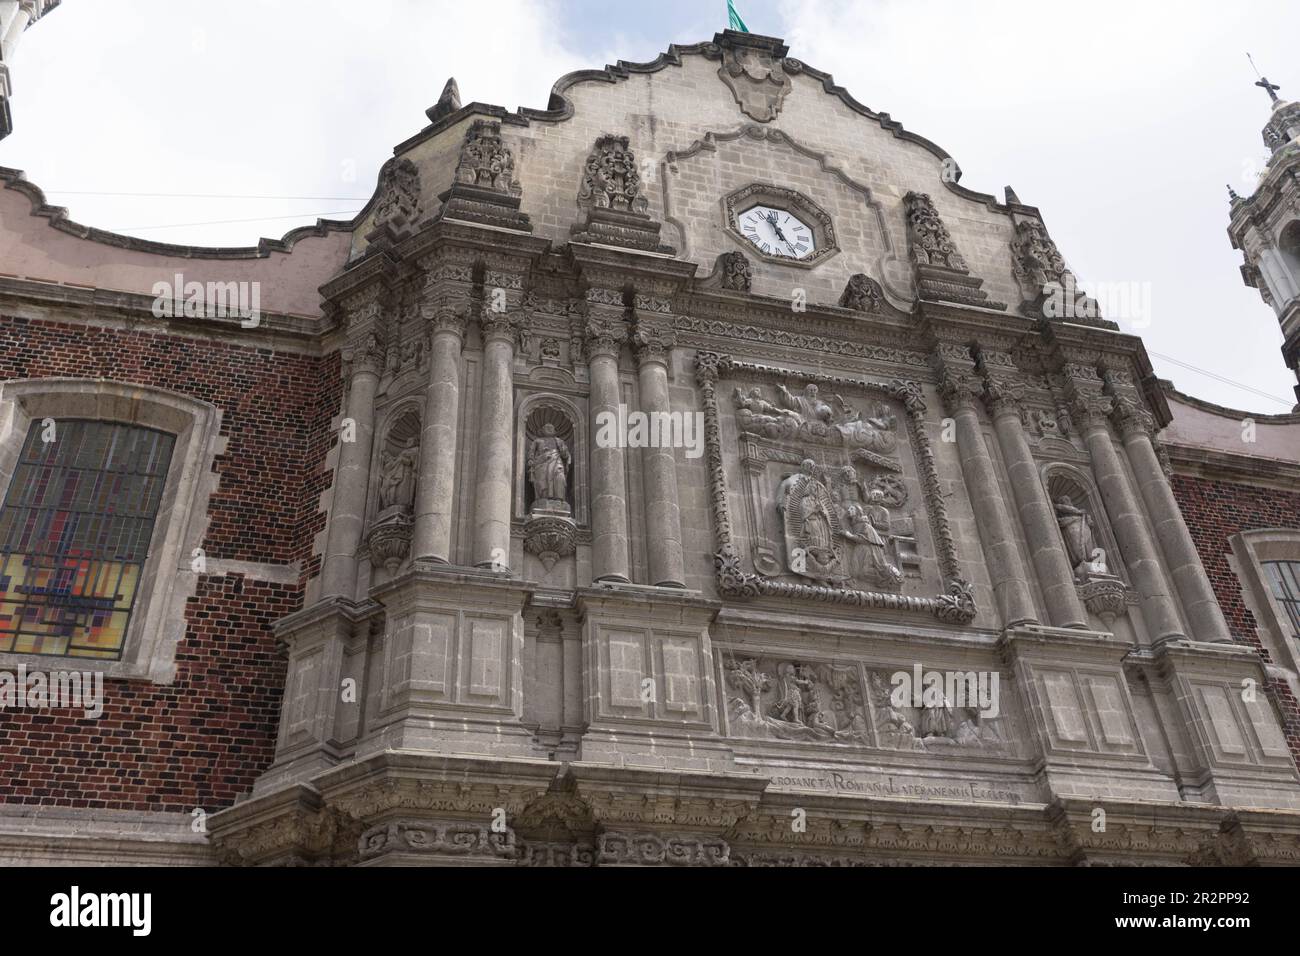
1284 579
74 535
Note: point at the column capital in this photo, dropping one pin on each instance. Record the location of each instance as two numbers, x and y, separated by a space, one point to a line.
958 391
446 318
604 335
1091 411
1132 419
365 354
503 326
653 341
1003 397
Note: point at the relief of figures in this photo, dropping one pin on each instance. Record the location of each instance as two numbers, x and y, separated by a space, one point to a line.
929 727
788 700
805 415
838 531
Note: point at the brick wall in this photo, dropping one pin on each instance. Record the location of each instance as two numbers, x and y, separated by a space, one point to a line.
202 741
1216 510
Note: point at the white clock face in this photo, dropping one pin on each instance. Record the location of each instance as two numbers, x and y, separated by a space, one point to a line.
777 232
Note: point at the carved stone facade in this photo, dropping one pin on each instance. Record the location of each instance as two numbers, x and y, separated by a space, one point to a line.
613 553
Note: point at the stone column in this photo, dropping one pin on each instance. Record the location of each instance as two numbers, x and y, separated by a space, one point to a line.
1126 519
435 497
496 439
1042 533
1190 580
1001 550
663 515
352 473
609 552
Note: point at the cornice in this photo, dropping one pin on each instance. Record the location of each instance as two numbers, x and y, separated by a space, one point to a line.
58 218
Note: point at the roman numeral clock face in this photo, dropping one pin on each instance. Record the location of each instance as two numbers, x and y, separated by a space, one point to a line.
777 232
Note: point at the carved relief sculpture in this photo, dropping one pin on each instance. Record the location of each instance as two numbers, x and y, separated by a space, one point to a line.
610 191
941 272
737 275
1046 281
791 700
754 70
825 527
862 294
485 189
399 196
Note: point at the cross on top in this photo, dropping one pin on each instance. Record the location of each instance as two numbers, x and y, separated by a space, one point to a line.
1272 88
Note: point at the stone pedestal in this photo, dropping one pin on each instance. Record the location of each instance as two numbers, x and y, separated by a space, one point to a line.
446 676
648 674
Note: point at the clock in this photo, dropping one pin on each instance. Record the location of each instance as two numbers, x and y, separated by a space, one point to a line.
777 232
780 225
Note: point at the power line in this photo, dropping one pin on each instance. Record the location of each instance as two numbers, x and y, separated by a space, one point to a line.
1220 378
225 222
84 192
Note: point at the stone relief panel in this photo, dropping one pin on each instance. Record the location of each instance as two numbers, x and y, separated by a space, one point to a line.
851 704
833 478
776 699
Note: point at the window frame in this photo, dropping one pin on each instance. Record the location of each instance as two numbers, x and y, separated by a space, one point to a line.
168 580
1251 550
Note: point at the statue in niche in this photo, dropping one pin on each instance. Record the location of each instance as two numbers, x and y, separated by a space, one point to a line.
811 523
548 466
1086 558
397 473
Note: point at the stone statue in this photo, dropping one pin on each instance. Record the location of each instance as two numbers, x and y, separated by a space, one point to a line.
548 466
397 477
1080 539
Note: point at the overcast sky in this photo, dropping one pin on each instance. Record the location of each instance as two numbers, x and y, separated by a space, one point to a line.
1122 120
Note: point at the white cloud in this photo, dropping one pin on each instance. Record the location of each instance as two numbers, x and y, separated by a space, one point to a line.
1122 121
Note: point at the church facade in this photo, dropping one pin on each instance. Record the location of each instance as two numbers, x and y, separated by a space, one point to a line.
691 473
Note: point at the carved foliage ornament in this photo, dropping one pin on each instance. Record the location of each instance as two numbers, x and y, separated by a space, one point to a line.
399 195
862 294
610 178
486 162
931 242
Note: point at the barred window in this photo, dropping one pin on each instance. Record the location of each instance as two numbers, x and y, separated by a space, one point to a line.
1284 580
75 532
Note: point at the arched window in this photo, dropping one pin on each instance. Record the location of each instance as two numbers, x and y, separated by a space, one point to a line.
75 533
1284 582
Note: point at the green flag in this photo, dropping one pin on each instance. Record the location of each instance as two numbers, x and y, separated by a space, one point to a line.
736 23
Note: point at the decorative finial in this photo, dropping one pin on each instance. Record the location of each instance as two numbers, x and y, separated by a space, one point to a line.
1232 195
1270 88
447 104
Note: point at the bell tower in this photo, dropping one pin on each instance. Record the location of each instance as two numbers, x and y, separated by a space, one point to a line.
1266 225
15 17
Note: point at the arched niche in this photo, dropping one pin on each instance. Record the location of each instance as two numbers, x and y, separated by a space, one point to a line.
533 414
1068 483
395 469
1288 245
